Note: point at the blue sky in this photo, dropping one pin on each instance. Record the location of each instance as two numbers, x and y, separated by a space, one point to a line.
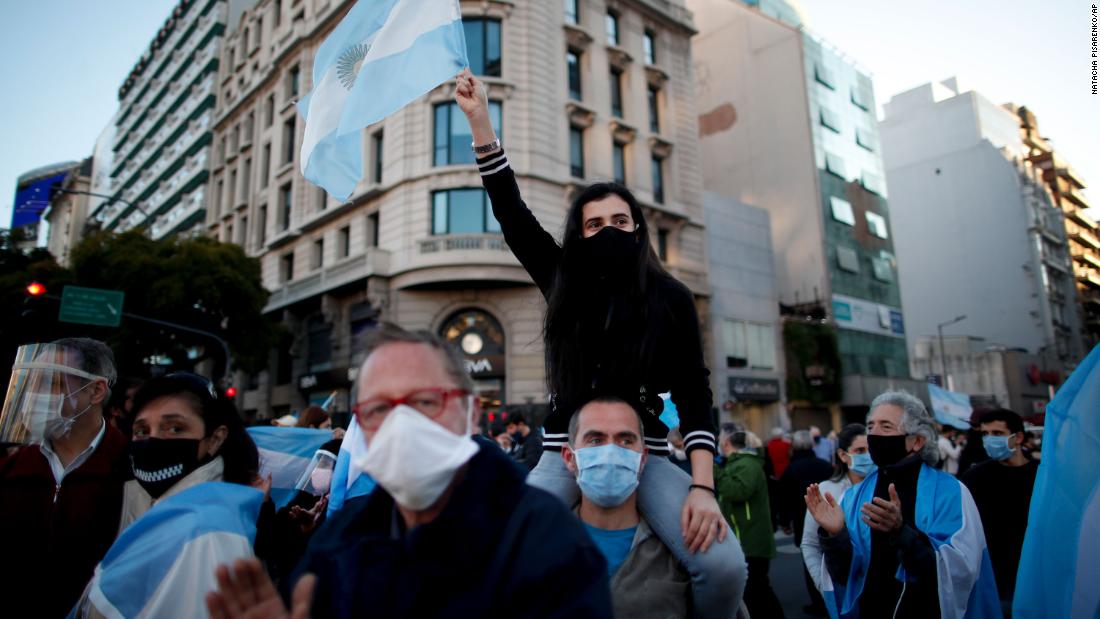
64 61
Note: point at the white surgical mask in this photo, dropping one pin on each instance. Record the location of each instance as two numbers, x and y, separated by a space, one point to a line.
415 458
49 421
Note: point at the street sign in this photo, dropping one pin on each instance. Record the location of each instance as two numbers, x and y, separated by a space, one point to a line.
91 306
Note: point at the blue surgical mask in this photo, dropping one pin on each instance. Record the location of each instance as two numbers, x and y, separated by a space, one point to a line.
607 474
997 447
862 464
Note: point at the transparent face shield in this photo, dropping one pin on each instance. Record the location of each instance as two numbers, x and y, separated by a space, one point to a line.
317 477
44 396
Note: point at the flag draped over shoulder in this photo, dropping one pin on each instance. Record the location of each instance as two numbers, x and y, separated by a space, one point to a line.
348 481
381 57
950 408
945 512
1059 574
285 453
163 564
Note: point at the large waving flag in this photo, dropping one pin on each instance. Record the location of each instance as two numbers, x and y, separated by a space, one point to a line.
285 453
1060 560
163 564
349 481
950 408
381 57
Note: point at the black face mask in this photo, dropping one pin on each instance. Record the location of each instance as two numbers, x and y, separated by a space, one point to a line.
158 463
610 252
886 450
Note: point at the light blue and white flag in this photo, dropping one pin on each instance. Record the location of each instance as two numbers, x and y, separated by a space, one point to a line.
670 416
1059 573
945 512
381 57
348 480
163 564
285 453
950 408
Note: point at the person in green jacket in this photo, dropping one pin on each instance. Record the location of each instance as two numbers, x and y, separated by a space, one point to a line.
743 498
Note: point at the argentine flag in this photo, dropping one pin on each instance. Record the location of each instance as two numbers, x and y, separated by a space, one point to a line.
950 408
1060 561
285 453
163 564
381 57
348 481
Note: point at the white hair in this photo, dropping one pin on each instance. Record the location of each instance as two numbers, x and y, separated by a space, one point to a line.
915 421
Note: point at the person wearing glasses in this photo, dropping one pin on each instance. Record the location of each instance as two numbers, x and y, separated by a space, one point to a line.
60 493
452 530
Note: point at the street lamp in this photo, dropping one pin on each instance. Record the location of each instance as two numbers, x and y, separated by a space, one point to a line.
943 358
107 197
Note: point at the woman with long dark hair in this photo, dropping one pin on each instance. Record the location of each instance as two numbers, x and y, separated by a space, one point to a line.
617 324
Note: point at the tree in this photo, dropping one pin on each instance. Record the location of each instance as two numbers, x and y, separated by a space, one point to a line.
24 320
197 282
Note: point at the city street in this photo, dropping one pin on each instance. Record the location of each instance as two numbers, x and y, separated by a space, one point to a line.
787 580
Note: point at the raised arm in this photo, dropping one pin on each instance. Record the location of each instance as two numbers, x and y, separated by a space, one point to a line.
535 248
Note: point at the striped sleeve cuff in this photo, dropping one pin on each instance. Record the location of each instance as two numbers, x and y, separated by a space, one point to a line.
700 439
492 164
554 441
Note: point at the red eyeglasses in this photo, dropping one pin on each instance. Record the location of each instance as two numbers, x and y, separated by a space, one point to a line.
430 402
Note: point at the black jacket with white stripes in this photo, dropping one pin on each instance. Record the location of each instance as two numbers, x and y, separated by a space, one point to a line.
677 367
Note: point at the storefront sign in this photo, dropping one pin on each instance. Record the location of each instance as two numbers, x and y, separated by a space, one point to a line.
485 365
754 389
867 316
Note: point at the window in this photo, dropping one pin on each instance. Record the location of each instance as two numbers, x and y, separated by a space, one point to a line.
343 242
322 199
246 179
269 111
452 133
618 163
616 92
573 61
293 81
571 14
265 166
612 24
462 211
286 271
320 343
847 259
235 139
835 165
876 224
748 345
662 244
829 119
261 226
258 31
372 229
576 152
249 128
278 10
657 171
318 257
232 195
286 204
232 54
218 197
647 47
483 45
654 110
842 210
242 232
882 270
874 183
860 99
288 140
376 149
221 150
229 232
824 77
864 140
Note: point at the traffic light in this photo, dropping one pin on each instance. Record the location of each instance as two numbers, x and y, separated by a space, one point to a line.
36 289
231 392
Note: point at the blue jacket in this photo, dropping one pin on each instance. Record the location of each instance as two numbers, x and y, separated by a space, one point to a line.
499 548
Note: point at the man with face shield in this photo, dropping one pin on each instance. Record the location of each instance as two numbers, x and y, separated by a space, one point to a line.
61 493
907 541
452 530
606 454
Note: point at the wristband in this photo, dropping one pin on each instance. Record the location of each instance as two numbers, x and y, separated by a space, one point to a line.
702 487
484 148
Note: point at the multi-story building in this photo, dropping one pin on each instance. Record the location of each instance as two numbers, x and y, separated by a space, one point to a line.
601 90
1065 186
67 212
976 230
157 165
788 125
33 191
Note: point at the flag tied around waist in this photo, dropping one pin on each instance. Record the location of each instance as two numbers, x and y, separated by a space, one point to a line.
285 453
1060 561
163 564
381 57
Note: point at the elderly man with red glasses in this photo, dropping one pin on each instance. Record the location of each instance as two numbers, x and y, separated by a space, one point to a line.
452 530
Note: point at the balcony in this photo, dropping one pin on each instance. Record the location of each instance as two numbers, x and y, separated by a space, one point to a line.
1086 257
1090 279
186 208
1086 238
346 272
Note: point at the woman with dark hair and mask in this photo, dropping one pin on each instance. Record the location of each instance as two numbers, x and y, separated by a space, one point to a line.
853 463
617 324
184 434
